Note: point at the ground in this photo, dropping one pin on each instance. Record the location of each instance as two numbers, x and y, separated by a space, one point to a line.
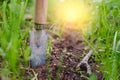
67 52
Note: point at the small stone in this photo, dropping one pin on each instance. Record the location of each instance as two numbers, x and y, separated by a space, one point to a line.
64 66
55 64
68 53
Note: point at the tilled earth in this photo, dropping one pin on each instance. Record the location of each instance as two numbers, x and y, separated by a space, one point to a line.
66 53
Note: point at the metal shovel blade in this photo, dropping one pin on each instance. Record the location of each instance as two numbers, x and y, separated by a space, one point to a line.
38 45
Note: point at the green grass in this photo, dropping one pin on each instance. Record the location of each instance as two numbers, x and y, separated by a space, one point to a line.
92 77
11 38
59 70
49 49
115 58
102 39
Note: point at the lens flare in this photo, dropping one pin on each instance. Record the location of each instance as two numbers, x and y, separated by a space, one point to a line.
73 12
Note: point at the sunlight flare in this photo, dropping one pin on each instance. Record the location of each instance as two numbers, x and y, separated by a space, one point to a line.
73 11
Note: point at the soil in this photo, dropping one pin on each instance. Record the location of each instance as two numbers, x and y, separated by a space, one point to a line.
66 53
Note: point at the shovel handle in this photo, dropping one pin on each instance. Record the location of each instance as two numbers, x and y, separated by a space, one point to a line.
40 11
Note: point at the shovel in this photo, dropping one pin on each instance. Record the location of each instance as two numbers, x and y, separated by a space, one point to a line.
38 36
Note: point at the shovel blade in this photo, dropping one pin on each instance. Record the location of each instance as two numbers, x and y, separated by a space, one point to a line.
38 45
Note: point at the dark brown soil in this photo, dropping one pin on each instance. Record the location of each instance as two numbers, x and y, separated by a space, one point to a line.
66 53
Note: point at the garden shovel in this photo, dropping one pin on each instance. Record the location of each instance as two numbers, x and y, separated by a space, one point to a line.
38 36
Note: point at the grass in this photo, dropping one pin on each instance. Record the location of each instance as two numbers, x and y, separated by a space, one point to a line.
115 58
92 77
60 65
105 25
49 49
10 43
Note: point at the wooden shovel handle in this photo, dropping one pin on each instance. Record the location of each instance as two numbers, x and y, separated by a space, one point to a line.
41 11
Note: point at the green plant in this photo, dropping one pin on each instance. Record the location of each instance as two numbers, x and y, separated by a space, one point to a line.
11 38
60 65
49 48
92 77
115 58
101 36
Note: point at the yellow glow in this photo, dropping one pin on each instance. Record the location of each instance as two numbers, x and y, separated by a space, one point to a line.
73 11
70 15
